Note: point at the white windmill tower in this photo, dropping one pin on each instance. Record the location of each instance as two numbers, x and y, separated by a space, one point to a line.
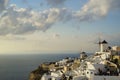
103 46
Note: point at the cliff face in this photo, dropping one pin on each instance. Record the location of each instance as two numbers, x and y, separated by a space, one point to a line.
34 76
37 74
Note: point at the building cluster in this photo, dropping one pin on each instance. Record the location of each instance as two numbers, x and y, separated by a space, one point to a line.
103 65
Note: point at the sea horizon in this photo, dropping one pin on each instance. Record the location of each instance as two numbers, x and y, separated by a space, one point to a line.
18 67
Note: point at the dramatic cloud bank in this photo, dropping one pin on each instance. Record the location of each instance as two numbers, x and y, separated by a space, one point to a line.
16 20
21 21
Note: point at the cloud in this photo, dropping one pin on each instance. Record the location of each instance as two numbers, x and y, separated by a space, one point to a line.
95 9
55 2
16 20
3 4
22 21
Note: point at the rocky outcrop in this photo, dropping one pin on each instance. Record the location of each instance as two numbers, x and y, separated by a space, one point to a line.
37 74
34 76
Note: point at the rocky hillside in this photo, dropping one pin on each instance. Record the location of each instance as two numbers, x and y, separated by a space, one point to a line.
37 74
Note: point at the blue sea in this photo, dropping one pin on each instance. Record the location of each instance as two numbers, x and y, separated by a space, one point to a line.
18 67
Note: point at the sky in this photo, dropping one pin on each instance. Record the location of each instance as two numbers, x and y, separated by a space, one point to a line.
57 26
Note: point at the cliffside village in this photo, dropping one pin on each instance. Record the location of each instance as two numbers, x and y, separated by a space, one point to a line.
102 65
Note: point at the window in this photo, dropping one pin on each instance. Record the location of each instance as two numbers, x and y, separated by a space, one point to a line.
91 72
87 72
